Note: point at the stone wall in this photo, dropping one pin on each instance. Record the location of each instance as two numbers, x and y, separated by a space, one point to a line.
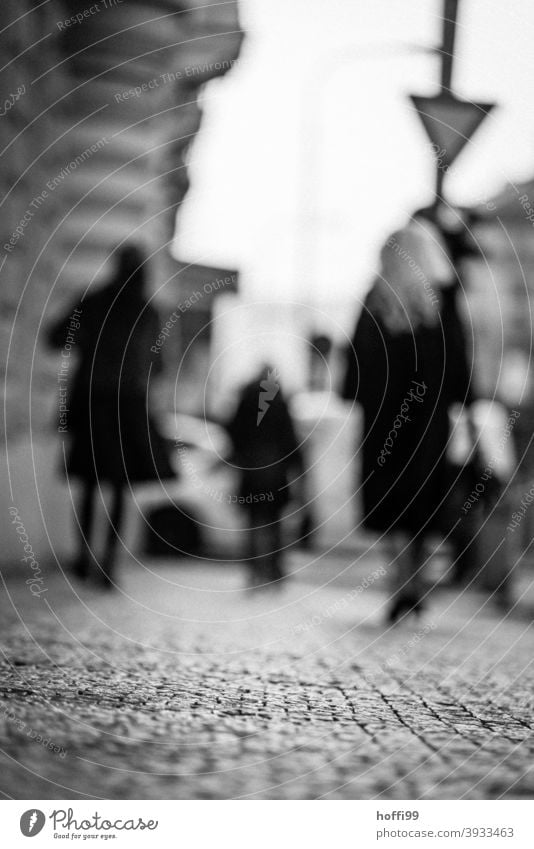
100 104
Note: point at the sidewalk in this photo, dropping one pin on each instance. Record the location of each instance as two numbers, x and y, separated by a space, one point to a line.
185 686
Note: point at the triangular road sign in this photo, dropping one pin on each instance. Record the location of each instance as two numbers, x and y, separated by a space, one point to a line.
449 122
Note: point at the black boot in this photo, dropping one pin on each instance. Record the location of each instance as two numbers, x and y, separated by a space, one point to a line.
80 567
404 606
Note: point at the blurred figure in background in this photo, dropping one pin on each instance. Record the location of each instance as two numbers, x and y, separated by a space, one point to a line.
113 440
449 230
266 452
406 374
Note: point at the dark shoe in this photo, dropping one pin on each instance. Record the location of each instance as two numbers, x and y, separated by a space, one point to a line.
404 607
80 567
417 609
107 575
107 581
395 612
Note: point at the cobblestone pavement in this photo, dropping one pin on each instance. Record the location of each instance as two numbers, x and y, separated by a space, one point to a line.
185 686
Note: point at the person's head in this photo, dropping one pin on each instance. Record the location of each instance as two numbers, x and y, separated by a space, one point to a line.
454 224
265 376
438 259
265 368
406 292
130 268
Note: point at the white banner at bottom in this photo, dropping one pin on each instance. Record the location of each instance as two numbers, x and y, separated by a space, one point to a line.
264 824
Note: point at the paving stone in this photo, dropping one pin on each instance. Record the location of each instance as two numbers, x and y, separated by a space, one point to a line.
234 703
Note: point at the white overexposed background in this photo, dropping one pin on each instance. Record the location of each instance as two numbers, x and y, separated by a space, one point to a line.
310 153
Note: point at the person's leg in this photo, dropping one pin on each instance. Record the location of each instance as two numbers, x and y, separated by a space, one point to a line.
261 565
116 516
416 585
276 571
260 547
463 542
406 567
84 527
253 550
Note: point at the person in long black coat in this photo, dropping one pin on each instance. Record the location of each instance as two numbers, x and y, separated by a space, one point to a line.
453 229
268 457
112 439
406 366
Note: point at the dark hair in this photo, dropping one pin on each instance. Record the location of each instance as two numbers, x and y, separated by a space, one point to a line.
459 240
130 268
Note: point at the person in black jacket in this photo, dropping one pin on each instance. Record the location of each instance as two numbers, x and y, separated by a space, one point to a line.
266 453
452 228
406 366
112 439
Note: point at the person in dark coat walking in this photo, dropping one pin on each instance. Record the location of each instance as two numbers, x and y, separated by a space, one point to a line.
112 437
405 372
266 453
453 227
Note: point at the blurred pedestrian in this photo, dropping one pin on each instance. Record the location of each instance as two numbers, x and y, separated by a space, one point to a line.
112 438
449 229
266 453
405 373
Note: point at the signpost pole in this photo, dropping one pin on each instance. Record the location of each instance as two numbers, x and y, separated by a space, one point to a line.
450 18
449 121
